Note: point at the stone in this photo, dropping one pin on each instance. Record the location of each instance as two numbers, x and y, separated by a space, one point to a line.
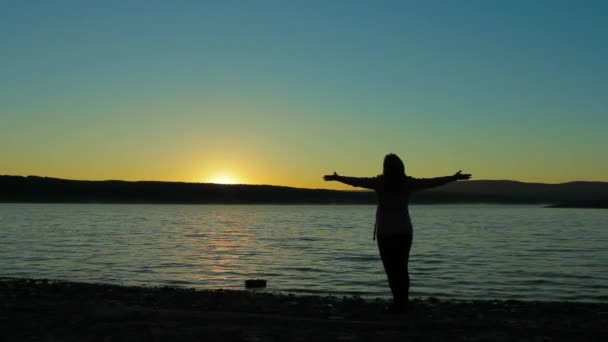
255 283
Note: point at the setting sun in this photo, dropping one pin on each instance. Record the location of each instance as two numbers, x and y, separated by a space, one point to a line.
222 179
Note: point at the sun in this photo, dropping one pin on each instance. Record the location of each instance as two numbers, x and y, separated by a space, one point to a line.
222 179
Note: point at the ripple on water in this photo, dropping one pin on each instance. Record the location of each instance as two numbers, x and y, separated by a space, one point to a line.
483 251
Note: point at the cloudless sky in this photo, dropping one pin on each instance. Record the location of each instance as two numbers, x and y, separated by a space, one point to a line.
282 92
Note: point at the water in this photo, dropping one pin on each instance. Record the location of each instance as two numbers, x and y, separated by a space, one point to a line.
459 251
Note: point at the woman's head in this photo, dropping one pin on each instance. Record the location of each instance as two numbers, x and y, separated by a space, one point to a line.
393 166
393 173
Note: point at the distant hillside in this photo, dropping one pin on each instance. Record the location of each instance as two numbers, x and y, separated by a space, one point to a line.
54 190
32 189
571 194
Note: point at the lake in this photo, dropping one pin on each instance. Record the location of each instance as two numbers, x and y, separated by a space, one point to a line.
459 252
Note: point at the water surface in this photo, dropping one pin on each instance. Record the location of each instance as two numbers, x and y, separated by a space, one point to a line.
459 251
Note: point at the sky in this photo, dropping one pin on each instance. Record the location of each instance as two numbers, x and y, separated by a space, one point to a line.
283 92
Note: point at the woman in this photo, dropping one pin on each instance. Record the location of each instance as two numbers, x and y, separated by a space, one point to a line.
393 224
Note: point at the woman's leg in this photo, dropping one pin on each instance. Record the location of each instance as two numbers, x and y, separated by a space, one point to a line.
394 251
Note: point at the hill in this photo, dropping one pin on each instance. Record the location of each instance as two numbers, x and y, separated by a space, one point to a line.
33 189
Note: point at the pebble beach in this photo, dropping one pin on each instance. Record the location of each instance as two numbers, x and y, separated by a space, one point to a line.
45 310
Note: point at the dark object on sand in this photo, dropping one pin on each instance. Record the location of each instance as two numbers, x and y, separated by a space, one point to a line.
255 283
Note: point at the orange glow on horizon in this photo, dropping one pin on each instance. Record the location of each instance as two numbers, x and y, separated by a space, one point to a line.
223 179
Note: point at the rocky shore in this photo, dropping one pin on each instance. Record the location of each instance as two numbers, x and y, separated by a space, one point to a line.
41 310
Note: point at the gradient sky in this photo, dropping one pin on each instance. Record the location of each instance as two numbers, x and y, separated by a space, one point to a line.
282 92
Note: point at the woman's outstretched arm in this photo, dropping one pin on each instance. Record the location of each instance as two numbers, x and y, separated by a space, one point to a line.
425 183
362 182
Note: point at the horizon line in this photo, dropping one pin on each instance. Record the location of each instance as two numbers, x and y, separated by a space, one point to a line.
277 185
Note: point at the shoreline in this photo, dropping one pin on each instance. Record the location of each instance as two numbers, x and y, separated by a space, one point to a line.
39 309
436 203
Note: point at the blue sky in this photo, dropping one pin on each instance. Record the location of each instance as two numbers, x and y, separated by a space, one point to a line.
282 92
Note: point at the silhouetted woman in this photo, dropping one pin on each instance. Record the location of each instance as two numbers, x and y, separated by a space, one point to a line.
393 224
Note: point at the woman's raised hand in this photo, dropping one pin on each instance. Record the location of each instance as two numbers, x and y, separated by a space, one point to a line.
331 177
461 176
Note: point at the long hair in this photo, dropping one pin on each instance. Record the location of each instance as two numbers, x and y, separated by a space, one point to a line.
393 173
